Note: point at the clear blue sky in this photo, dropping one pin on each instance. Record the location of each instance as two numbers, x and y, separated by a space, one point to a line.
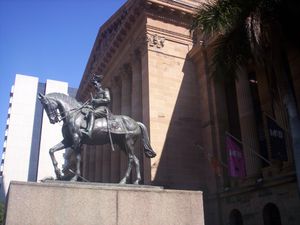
49 39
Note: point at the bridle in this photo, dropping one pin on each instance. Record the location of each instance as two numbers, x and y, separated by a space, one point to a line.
54 113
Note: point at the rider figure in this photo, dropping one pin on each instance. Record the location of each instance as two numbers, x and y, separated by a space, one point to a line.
98 103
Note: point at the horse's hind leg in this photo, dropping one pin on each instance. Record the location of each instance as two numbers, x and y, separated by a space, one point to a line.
77 149
129 145
129 167
138 170
78 160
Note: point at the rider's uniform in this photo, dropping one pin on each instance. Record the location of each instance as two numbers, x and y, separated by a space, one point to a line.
100 103
99 107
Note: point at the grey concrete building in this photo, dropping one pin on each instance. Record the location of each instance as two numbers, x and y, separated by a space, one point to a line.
28 134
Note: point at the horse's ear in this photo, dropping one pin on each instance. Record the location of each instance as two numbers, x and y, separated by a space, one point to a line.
41 96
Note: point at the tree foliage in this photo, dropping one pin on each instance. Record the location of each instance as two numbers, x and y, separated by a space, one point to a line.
241 29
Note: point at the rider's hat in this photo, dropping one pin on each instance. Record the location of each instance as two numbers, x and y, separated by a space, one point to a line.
97 77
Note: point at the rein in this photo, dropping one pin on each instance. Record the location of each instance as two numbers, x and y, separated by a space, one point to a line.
71 111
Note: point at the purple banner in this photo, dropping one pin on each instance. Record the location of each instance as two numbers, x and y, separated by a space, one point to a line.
236 160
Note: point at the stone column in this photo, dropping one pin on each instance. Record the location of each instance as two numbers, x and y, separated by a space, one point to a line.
105 163
116 109
126 79
145 108
248 126
125 106
85 162
92 163
136 95
98 166
137 102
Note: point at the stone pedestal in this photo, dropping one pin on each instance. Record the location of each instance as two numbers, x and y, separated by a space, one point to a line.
64 203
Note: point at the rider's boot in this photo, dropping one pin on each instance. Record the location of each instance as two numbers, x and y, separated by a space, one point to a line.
89 129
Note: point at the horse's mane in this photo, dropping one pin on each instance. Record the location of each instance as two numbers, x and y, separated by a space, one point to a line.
66 98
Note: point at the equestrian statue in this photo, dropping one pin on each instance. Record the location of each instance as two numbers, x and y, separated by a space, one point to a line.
92 123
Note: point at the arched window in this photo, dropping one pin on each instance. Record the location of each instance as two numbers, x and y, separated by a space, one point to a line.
235 218
271 215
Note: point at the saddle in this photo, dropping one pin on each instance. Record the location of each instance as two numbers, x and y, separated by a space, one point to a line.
120 124
117 124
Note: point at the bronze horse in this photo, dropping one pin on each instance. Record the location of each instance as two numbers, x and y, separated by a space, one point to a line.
123 130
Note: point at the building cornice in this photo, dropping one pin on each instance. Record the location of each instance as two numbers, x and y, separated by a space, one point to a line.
263 185
112 33
109 38
182 6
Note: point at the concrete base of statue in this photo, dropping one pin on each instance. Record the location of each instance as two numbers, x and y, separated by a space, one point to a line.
66 203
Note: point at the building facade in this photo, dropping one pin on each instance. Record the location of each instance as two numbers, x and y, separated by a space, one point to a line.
29 135
158 73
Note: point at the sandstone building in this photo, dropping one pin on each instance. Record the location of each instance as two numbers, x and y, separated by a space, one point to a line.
158 73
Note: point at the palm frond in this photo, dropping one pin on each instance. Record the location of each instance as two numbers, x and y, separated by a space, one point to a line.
262 16
230 53
253 26
215 16
241 29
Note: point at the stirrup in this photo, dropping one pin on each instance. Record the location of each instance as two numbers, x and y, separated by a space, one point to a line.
88 134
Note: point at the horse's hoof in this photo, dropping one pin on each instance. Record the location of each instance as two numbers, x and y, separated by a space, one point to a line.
58 174
123 181
137 182
45 179
75 178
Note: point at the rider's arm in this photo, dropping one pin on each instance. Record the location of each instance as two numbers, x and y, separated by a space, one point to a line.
105 99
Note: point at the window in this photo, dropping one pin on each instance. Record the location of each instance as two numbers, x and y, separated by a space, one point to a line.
235 217
232 109
258 116
271 215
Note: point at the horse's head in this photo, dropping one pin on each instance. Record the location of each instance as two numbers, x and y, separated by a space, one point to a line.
51 107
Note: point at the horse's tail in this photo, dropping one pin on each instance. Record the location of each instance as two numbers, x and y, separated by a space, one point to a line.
146 142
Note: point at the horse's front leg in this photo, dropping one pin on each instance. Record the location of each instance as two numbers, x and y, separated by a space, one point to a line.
61 145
